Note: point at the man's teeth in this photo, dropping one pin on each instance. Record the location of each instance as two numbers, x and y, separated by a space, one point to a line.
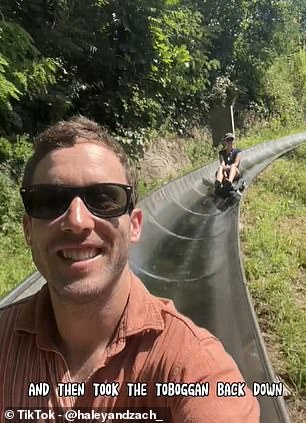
79 255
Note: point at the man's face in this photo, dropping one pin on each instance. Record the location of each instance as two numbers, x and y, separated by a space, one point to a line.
97 248
229 143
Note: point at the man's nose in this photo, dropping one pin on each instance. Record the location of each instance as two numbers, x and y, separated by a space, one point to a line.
77 217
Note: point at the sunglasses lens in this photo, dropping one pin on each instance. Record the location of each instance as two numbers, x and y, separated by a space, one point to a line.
50 201
107 200
45 201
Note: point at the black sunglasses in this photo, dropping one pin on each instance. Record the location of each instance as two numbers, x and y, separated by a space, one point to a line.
47 201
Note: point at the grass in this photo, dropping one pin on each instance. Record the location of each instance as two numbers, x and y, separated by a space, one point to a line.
274 244
261 134
15 261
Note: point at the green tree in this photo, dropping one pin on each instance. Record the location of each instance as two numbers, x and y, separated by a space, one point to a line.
125 63
22 71
248 36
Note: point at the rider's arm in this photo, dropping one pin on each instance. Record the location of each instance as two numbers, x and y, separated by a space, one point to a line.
221 160
237 160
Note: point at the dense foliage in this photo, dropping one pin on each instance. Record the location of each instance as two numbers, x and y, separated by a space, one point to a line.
140 64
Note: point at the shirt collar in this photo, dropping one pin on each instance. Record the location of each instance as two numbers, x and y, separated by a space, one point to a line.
143 312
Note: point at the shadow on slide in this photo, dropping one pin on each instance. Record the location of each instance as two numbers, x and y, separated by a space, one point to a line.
189 251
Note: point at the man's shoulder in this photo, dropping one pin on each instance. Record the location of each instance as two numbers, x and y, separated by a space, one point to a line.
12 308
158 313
184 351
10 312
8 318
179 324
181 338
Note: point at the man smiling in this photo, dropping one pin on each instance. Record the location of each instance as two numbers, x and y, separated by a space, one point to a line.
94 322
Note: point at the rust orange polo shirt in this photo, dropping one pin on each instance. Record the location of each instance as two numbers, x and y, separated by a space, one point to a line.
178 363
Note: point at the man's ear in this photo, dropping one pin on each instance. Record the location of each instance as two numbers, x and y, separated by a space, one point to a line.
27 228
136 224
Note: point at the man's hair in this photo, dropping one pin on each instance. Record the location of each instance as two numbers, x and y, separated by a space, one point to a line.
65 134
